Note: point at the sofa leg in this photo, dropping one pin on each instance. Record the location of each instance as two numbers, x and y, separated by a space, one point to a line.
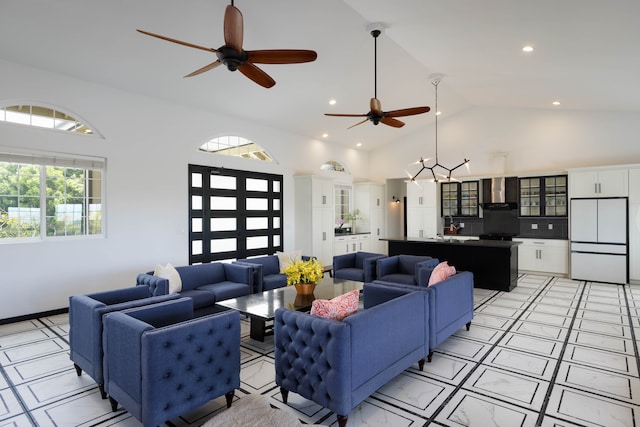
421 363
103 394
430 356
78 369
342 420
114 404
285 394
229 398
468 325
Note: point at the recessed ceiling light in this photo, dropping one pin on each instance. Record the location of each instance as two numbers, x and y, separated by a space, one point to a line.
324 135
438 113
359 144
556 102
332 102
527 49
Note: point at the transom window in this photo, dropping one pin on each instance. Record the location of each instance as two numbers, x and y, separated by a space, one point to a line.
233 214
231 145
44 196
44 117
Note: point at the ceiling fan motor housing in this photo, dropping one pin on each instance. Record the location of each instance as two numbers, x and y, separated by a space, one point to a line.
231 58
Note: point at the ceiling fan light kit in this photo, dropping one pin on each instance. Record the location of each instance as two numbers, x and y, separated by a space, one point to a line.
435 81
234 57
376 115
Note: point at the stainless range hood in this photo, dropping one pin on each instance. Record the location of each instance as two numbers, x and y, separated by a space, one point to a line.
500 193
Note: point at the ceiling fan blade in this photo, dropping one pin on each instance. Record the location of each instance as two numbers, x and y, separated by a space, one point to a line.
407 112
375 106
359 123
345 115
205 68
390 121
169 39
233 28
281 56
257 75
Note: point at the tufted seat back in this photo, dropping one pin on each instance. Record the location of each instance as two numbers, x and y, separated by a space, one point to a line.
160 362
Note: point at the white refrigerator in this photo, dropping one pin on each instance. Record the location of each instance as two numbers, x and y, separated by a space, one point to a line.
599 232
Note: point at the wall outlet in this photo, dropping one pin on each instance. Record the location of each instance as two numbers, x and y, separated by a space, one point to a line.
550 226
534 226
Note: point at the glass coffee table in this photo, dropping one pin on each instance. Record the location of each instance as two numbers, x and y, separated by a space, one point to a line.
261 308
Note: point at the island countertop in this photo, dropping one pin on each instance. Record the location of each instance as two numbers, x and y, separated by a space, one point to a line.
447 241
494 263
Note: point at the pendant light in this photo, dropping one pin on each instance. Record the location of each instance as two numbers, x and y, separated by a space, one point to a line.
435 81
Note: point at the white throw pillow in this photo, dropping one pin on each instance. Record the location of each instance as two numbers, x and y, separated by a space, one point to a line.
169 272
285 258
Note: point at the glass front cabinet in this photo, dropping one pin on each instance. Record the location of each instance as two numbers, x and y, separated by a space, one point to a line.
459 198
543 196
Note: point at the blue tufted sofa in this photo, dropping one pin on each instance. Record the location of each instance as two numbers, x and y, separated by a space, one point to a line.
266 272
405 269
205 283
85 325
450 303
338 364
359 266
161 362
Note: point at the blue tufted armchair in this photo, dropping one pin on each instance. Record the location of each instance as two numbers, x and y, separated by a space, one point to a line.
85 323
161 362
359 266
406 269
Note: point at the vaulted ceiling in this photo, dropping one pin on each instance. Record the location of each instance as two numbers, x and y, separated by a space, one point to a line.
585 56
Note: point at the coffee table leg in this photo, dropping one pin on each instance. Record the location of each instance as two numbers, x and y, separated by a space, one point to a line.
257 328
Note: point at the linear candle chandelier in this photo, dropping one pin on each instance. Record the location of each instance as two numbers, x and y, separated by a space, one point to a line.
435 81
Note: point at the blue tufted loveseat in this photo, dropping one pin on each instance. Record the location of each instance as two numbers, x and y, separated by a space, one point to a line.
359 266
450 303
338 364
405 269
205 283
85 325
161 362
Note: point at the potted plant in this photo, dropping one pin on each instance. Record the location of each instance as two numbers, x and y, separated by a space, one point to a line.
304 275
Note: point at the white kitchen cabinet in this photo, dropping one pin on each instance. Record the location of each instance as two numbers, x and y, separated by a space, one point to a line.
543 256
369 200
346 244
634 185
597 182
422 213
634 241
315 217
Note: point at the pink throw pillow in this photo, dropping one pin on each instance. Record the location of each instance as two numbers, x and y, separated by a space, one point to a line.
441 272
337 308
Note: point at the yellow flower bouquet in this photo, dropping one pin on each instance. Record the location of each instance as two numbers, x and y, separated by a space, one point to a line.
303 272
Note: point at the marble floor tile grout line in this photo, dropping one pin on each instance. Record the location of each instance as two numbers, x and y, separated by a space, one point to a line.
632 328
14 390
554 376
482 359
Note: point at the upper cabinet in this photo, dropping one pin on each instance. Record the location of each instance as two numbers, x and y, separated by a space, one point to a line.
543 196
459 198
599 183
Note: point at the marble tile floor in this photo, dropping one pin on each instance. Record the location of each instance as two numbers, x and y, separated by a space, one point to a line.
553 352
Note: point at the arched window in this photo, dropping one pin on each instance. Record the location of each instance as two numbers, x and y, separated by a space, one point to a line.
44 117
333 166
232 145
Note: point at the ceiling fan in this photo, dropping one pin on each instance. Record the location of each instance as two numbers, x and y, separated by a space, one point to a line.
375 114
234 57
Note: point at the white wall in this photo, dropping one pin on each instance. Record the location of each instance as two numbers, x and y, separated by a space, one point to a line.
534 141
148 144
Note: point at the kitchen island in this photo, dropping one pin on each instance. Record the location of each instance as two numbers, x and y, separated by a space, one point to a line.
494 263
